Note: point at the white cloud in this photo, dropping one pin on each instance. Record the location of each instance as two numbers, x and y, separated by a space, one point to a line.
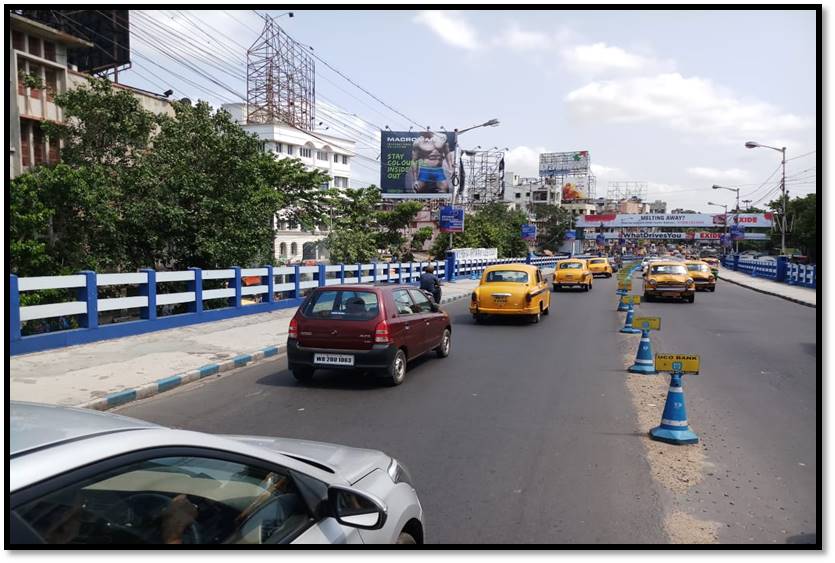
451 27
604 171
519 39
524 161
729 175
600 57
689 105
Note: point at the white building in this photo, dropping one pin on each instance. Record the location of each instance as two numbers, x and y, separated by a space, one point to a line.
520 192
321 151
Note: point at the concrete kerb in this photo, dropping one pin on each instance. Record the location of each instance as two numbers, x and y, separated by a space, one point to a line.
124 396
772 293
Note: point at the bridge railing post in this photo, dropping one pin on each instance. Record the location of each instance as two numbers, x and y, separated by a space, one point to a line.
196 285
14 309
238 287
270 283
149 290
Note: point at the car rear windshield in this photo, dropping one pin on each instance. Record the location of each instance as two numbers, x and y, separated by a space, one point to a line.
512 276
669 269
697 267
600 261
570 266
348 305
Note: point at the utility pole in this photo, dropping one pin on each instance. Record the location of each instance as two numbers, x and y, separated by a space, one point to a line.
783 230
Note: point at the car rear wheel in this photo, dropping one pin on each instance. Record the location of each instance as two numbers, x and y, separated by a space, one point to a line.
538 316
303 374
586 287
712 289
691 298
395 373
478 318
405 538
446 344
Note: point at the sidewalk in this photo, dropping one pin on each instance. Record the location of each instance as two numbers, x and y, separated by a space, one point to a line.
803 295
104 374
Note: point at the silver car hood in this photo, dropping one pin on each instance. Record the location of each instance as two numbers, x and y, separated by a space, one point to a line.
351 464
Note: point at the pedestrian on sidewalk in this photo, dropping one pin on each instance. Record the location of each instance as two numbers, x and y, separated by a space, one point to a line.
430 282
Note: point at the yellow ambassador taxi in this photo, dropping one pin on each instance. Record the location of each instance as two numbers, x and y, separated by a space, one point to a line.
573 271
600 266
668 278
701 273
511 289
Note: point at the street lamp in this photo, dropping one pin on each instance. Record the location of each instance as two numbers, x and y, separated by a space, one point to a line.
491 123
754 145
736 220
725 207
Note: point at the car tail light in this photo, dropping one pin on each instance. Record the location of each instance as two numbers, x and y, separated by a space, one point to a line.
710 278
293 332
381 333
474 297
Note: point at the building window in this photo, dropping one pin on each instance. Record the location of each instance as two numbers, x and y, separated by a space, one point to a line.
38 144
305 152
25 146
35 70
290 149
21 72
18 40
518 195
51 81
35 46
336 158
344 159
49 50
282 249
294 249
321 155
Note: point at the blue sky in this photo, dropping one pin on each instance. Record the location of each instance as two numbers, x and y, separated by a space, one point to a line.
666 97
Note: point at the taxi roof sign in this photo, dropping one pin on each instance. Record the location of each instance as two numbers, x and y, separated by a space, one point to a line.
677 363
647 323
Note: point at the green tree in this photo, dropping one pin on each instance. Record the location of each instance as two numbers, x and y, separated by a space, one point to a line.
492 226
552 222
353 236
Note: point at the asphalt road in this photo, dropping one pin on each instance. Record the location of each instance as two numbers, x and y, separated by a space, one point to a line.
526 433
754 406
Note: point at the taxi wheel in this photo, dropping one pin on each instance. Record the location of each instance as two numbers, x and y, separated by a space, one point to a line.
537 317
547 310
712 289
691 299
478 318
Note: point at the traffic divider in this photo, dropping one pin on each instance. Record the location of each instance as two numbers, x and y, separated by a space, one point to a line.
630 300
674 427
643 358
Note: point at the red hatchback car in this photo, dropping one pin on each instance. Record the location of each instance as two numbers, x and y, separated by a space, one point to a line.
365 327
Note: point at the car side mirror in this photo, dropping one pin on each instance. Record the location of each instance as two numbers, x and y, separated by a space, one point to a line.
356 509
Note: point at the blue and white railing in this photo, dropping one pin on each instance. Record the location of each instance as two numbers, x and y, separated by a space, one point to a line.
780 270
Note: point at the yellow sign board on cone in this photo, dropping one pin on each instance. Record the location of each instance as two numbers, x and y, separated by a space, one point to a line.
678 363
625 284
634 299
647 323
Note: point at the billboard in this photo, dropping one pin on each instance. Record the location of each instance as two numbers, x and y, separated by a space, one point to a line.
416 164
753 220
737 232
574 188
529 232
693 235
564 163
452 219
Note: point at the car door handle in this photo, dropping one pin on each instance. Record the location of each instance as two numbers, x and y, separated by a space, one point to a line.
407 327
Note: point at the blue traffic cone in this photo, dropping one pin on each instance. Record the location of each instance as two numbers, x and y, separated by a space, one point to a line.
643 359
621 305
674 428
627 325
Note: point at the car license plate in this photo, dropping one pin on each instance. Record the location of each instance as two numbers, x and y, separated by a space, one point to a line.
334 359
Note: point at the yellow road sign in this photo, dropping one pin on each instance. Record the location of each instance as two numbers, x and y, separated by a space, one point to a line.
625 284
634 299
647 323
680 363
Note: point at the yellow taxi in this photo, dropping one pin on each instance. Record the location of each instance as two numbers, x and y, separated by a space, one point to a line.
600 266
511 289
668 278
572 272
701 273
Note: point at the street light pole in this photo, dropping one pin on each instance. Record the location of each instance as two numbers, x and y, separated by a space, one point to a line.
736 220
754 145
490 123
725 216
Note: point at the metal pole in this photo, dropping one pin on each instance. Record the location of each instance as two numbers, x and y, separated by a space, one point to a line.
783 230
737 217
454 172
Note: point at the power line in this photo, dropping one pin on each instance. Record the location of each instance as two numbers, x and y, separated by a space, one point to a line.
801 156
748 195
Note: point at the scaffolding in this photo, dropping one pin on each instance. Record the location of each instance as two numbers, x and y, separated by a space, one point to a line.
280 80
483 176
561 168
621 191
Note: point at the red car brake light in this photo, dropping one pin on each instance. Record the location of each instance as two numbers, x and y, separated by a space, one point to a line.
381 333
293 331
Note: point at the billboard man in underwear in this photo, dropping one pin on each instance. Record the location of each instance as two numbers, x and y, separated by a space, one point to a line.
430 159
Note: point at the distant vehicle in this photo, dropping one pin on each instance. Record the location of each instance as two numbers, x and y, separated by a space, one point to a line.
701 274
511 289
78 477
713 263
600 266
573 272
668 278
366 327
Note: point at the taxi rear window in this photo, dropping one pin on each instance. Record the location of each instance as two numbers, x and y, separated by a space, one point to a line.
339 304
599 261
697 267
512 276
570 266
